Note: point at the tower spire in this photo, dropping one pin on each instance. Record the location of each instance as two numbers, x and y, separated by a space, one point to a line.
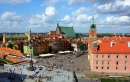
93 16
93 25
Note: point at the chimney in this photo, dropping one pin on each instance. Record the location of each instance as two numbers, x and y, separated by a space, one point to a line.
112 43
129 44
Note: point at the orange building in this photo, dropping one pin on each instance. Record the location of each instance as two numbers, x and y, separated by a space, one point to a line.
10 54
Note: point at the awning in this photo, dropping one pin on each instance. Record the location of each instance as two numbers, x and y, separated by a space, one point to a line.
46 55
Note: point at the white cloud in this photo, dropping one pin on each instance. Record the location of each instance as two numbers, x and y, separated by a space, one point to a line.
67 18
82 18
36 19
117 7
10 16
76 1
45 19
125 19
120 7
118 20
50 11
78 19
10 20
118 24
79 15
14 1
50 2
79 11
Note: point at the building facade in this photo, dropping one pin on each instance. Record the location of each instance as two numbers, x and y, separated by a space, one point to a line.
14 37
108 54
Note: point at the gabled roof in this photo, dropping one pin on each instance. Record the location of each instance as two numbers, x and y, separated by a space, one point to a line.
11 51
68 31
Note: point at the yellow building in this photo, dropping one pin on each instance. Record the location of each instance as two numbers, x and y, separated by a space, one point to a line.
15 37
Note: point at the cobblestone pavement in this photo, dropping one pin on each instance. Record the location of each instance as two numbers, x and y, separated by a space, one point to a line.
20 73
67 62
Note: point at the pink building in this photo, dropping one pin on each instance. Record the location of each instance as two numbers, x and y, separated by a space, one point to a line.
108 54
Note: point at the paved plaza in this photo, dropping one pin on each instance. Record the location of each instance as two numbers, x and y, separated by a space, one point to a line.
53 69
41 73
67 62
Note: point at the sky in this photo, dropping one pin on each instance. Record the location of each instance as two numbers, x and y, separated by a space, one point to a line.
111 16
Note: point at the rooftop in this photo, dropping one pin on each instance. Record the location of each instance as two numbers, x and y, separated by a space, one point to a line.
115 44
15 36
68 31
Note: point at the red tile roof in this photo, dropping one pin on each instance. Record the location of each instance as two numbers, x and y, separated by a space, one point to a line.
52 32
120 45
11 51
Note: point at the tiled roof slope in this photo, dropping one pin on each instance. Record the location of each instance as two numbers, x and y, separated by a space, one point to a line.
11 51
120 46
69 31
15 36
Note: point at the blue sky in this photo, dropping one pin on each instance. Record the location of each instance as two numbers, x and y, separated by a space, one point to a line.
111 16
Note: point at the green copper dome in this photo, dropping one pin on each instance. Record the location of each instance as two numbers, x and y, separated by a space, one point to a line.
93 25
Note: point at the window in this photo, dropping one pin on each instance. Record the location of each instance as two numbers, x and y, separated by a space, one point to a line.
125 56
125 68
108 56
107 67
117 63
117 56
102 67
96 61
116 67
108 62
102 62
126 62
97 56
96 67
102 55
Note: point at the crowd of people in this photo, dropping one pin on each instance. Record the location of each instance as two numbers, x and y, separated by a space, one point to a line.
69 62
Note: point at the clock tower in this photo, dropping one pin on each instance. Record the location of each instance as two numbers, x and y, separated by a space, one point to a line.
92 31
92 35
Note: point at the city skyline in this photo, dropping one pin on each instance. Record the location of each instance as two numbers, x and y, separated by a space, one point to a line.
111 16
